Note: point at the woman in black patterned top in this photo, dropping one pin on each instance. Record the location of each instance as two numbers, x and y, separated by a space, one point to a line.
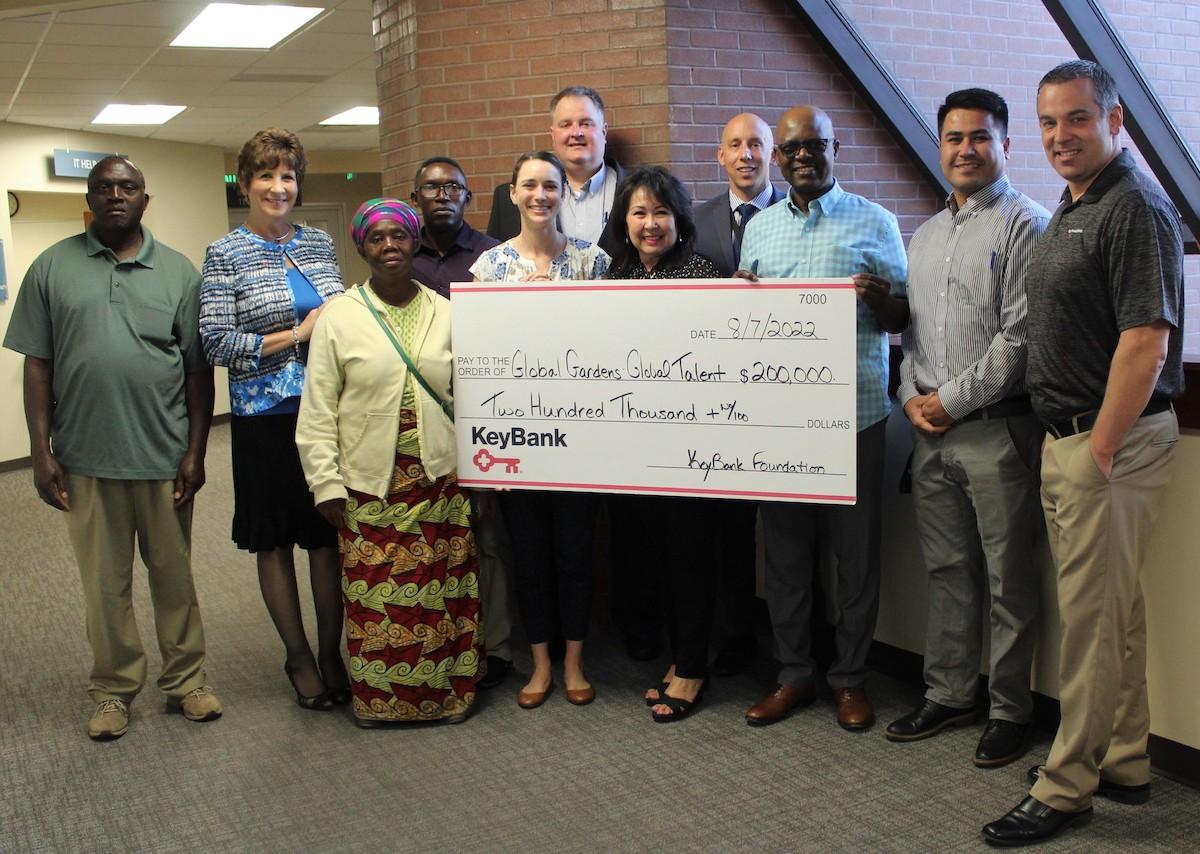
652 219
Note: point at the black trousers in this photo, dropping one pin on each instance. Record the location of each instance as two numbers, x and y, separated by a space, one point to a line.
691 571
634 533
553 534
737 555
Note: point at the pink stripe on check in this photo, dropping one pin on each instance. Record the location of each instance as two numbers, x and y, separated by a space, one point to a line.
620 487
731 286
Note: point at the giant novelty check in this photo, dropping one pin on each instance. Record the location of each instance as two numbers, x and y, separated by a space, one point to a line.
693 387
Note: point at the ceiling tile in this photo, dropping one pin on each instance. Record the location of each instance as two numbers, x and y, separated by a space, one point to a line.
185 56
169 15
42 70
70 55
36 86
22 30
14 52
113 38
349 21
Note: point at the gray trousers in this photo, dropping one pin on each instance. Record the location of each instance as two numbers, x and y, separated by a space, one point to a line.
495 573
791 534
978 517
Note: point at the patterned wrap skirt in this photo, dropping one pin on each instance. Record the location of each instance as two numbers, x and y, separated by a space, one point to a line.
411 587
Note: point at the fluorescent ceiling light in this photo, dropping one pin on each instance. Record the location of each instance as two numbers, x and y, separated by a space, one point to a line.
355 116
137 114
233 25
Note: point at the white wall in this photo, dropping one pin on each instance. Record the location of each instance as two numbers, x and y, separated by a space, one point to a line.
1170 581
187 212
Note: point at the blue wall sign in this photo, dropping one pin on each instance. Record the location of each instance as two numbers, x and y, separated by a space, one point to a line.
76 164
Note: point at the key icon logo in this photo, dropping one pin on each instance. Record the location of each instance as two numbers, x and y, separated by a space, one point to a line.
484 460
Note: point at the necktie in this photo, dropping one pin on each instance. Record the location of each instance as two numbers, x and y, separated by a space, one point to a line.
744 214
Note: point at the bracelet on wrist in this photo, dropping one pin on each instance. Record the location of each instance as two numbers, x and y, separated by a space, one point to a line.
296 336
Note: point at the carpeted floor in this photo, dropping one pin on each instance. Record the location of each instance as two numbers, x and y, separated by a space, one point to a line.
269 776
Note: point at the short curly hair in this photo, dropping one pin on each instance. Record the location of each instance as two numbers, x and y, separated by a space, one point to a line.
266 150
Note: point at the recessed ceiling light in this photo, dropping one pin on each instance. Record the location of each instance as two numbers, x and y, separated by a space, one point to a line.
355 116
233 25
137 114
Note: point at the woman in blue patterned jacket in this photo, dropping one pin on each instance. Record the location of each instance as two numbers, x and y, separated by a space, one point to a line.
264 286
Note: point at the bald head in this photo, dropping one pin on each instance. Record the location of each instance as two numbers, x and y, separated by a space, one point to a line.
806 152
744 153
114 159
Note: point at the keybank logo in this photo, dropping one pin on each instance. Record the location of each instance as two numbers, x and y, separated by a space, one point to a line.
518 437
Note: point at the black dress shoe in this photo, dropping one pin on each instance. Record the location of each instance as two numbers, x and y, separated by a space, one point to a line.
930 719
643 646
734 656
1122 794
1031 821
497 672
1001 743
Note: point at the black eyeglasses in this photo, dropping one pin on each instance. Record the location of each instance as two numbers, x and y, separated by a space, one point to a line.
810 146
452 190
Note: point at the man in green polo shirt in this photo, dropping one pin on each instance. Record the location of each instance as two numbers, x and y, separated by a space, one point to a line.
118 401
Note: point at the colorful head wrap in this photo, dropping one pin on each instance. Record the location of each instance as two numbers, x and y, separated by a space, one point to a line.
373 210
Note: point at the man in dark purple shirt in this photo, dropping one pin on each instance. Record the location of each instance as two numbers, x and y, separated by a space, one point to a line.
448 245
445 253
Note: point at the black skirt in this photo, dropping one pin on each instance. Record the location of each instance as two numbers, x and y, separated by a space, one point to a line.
272 505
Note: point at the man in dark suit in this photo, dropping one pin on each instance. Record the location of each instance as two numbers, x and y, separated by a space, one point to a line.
745 152
578 134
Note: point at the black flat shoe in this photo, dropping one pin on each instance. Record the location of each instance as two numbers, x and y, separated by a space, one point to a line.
1117 792
1030 822
929 719
319 703
1001 743
680 709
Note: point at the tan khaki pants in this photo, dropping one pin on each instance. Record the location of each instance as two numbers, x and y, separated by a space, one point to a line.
105 517
1099 530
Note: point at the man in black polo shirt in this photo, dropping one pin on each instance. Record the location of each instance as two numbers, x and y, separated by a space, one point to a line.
1105 293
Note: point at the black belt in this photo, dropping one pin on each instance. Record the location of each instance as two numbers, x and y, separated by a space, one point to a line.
1087 420
1001 409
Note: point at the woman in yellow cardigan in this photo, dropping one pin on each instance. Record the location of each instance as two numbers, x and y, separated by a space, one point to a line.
377 446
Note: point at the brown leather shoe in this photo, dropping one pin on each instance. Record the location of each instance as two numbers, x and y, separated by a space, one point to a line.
533 699
775 706
854 709
580 696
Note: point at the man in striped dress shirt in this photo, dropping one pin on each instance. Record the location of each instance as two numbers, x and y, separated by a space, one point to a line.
975 439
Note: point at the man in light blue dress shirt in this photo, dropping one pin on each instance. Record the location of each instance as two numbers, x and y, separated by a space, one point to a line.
822 231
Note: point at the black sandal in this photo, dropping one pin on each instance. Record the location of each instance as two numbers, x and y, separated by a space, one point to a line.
661 688
680 709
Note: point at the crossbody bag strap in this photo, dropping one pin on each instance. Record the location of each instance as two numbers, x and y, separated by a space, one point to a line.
387 330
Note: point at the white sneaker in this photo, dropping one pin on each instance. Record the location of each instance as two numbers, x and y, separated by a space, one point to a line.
109 721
